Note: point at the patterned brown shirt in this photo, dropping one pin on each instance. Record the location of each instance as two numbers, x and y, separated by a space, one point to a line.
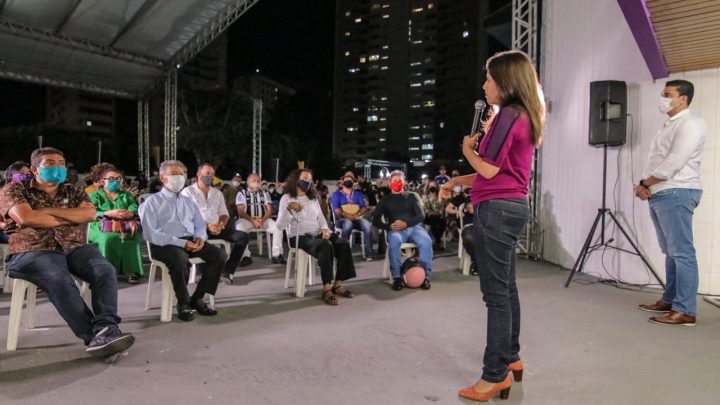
28 239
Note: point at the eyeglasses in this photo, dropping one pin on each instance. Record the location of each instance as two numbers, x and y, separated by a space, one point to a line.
119 178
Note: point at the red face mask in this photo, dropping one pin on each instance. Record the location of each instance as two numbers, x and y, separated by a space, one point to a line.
397 186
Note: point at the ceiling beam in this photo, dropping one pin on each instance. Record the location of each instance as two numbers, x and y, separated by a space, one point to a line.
21 31
84 86
66 17
640 23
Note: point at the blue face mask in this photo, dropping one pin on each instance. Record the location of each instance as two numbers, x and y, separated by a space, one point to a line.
112 186
54 174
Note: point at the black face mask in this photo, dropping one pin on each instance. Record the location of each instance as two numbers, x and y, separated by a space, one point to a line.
433 189
304 185
348 184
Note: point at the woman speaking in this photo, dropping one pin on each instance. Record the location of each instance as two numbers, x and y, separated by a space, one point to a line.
503 162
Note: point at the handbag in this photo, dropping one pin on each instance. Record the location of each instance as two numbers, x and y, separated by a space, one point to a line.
127 228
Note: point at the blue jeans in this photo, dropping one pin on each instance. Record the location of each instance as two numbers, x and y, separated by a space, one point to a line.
671 211
414 234
496 227
52 272
347 226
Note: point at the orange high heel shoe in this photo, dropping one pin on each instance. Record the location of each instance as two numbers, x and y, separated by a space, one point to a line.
517 369
503 388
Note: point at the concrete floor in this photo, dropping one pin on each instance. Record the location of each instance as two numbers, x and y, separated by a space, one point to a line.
583 345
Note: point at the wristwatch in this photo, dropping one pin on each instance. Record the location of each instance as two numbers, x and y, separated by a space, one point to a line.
642 183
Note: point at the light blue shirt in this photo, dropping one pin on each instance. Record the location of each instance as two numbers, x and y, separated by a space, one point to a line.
166 217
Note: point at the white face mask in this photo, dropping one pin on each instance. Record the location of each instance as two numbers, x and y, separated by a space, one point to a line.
665 105
236 183
457 189
175 183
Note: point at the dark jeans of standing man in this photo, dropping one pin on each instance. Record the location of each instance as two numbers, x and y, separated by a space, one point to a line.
496 227
239 239
52 272
325 250
176 259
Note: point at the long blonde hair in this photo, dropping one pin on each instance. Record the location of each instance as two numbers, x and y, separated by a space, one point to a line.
517 82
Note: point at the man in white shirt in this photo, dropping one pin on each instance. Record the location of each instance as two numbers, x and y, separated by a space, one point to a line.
671 184
211 203
254 207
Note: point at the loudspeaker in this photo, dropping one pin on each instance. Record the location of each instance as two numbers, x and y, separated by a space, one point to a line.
608 113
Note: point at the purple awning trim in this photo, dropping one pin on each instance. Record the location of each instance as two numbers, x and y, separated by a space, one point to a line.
638 19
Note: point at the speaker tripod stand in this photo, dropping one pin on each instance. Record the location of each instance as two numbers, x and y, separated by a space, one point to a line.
600 219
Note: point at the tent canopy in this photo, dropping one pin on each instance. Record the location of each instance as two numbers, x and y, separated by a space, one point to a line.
117 47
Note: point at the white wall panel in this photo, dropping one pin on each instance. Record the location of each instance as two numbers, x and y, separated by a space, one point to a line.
587 40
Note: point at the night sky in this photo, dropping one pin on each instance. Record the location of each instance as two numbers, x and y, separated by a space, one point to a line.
292 43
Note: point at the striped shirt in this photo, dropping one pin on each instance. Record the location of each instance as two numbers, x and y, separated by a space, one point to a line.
255 203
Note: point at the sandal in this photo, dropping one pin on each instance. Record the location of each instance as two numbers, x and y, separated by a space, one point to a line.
329 298
343 292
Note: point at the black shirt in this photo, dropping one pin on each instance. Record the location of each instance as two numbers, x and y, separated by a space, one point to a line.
403 206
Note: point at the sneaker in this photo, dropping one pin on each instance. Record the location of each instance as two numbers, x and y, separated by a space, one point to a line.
368 258
397 284
227 278
109 340
246 261
133 279
426 285
280 259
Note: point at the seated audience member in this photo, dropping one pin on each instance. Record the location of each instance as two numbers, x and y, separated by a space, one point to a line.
229 194
433 207
17 172
115 231
275 197
349 208
442 178
46 219
323 194
300 210
211 204
403 220
452 210
254 208
173 225
468 241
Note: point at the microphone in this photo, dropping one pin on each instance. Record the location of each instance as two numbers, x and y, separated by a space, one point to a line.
479 110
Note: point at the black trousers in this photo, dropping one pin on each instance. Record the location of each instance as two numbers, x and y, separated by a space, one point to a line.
176 259
437 226
239 239
468 240
324 251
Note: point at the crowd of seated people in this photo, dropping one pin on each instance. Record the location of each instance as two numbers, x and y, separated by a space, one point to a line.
100 228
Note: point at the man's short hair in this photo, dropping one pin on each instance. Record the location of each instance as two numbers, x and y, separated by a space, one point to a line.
204 164
37 156
168 163
684 88
397 173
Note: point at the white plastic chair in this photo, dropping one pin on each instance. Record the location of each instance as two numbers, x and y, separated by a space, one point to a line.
304 266
355 232
406 250
268 236
20 287
167 287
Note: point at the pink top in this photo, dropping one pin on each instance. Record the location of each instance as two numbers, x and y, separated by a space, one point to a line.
511 151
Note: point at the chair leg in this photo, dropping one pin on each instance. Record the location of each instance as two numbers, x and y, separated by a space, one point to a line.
30 306
268 240
288 267
16 306
301 264
212 301
193 274
386 268
151 280
260 243
362 245
167 293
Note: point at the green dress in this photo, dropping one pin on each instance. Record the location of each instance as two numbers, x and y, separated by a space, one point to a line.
124 254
